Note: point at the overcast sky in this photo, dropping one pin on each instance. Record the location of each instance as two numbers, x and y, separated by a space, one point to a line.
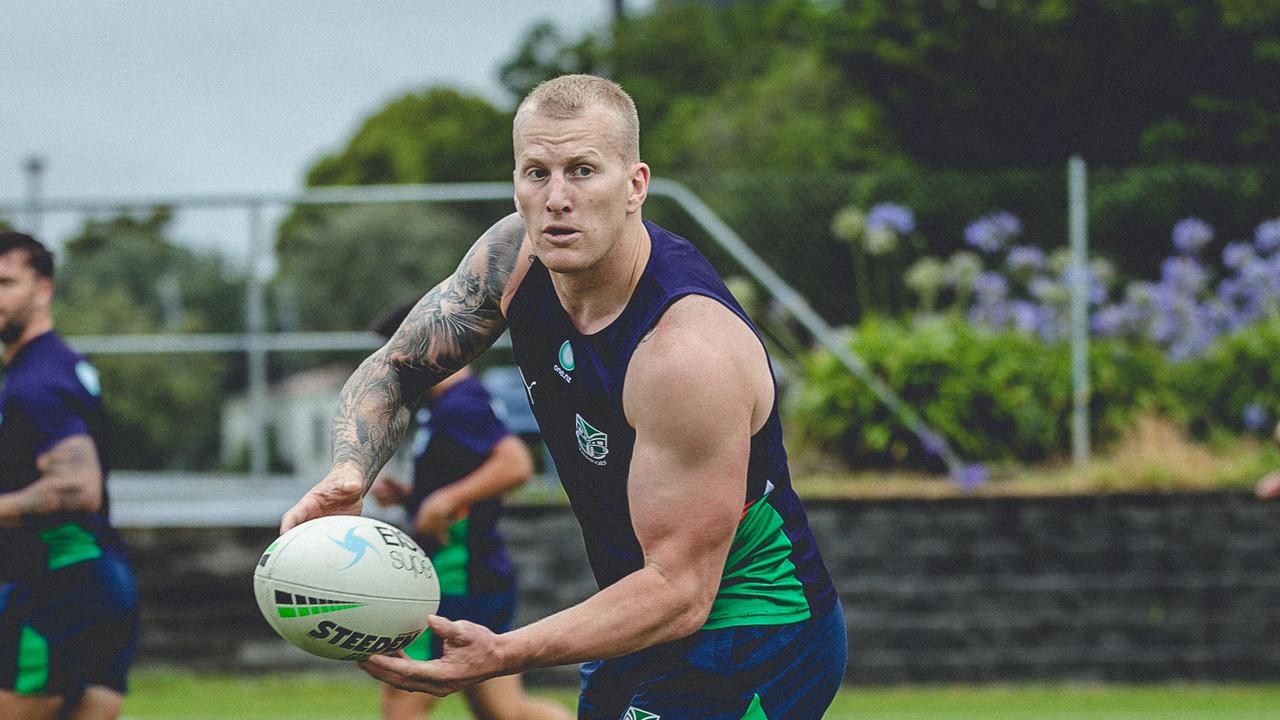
130 98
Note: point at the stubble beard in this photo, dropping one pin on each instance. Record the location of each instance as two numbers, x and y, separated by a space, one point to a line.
12 330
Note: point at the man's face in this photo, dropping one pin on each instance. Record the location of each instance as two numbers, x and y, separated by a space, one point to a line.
22 295
573 188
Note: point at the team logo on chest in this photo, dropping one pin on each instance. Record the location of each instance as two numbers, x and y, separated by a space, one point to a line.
565 364
593 443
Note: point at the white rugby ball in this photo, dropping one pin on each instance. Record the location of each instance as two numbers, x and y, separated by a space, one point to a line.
346 587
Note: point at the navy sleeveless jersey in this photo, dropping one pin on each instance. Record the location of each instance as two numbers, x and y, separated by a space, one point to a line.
774 573
455 435
49 394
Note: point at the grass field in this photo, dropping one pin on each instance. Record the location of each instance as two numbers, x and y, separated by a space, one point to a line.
170 695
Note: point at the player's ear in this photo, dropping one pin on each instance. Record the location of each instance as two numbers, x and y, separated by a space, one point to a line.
44 291
639 187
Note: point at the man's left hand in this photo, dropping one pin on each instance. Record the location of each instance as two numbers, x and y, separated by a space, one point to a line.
470 656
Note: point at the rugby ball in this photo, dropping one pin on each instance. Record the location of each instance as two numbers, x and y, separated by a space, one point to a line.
346 587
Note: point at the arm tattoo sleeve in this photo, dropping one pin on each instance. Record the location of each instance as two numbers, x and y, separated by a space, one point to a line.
452 324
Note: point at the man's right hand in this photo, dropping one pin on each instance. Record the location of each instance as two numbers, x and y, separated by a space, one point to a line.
388 491
340 493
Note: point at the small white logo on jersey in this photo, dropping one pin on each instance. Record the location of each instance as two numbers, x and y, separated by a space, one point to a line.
635 713
565 364
528 386
593 443
88 376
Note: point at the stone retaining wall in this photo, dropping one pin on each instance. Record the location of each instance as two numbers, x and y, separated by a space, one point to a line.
1112 588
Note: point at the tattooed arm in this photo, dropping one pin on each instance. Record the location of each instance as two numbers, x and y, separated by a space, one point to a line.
451 325
70 481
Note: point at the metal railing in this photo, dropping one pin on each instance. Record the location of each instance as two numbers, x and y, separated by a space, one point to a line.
257 343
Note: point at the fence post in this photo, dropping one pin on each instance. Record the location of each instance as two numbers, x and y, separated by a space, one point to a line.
255 324
34 167
1078 228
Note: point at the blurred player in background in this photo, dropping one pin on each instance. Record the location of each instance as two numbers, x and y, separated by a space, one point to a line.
68 606
464 460
657 401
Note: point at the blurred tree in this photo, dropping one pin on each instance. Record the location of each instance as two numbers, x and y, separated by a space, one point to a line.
439 135
1027 83
344 267
1022 83
123 276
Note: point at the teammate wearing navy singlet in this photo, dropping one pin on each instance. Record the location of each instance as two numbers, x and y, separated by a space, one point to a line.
657 401
464 459
68 607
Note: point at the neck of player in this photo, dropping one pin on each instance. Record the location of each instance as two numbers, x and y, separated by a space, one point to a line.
596 297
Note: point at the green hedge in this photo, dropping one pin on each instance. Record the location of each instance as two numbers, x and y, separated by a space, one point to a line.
993 395
1214 390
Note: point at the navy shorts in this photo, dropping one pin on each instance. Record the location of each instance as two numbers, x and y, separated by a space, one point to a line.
77 627
755 672
496 611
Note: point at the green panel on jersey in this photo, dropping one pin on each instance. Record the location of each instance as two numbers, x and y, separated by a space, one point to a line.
451 560
755 711
420 648
759 586
69 544
33 663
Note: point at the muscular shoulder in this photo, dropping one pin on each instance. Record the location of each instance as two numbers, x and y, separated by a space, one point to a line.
699 352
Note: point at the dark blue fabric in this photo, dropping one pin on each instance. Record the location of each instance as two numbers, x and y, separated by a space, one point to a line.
494 610
575 384
88 615
795 670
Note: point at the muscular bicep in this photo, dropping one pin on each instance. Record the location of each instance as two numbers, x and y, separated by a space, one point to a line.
691 402
70 476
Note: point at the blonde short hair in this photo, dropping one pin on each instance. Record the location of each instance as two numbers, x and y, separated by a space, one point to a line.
569 96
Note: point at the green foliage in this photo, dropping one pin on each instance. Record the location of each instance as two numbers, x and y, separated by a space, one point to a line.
439 135
1025 83
994 395
1213 390
796 113
123 276
1131 211
1029 82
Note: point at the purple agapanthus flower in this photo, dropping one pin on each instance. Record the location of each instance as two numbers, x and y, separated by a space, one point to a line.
990 312
1183 274
1111 320
991 233
1026 316
990 285
889 216
1236 255
1042 287
1266 237
1254 416
1191 234
970 476
1025 257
